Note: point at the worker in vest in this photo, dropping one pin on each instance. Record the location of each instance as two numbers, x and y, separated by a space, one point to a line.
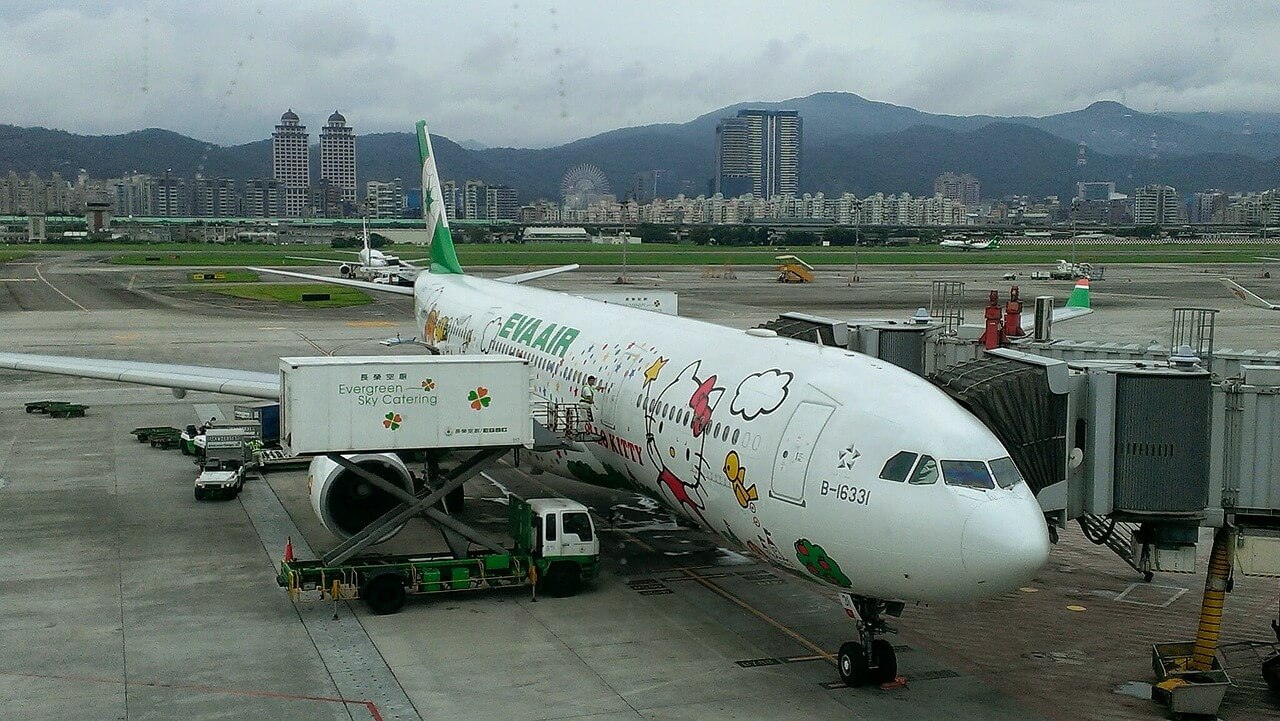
587 398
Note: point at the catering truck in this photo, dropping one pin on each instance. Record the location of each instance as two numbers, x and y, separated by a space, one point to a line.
362 417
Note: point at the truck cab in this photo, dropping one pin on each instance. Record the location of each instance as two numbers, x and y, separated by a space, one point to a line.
565 545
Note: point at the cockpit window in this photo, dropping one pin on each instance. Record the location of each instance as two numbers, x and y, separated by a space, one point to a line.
970 474
1006 472
898 467
926 472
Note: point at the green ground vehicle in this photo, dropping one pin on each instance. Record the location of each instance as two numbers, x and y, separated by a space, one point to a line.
66 410
554 537
42 406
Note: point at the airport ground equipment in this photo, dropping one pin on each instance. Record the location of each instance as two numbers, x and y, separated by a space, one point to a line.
554 545
266 413
1184 690
793 270
42 406
165 441
461 413
227 448
278 459
225 484
146 433
66 410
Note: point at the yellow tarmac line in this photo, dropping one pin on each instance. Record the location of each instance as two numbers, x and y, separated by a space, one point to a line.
55 290
711 586
761 615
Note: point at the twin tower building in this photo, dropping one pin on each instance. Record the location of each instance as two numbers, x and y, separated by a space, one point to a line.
291 164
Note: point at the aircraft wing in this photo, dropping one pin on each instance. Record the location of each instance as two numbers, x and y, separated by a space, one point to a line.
349 282
317 260
1246 295
535 274
168 375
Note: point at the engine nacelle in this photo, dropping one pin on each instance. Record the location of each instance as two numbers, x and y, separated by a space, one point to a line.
345 269
346 503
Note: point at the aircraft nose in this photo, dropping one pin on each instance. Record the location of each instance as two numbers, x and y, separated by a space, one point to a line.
1005 542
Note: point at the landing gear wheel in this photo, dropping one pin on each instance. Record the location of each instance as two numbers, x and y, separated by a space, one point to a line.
1271 673
384 594
851 661
884 662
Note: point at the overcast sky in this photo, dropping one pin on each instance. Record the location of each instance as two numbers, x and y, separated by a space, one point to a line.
533 74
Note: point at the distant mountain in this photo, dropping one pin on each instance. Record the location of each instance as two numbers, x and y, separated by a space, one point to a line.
473 144
850 144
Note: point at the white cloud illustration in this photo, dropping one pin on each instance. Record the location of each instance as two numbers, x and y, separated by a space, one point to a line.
760 393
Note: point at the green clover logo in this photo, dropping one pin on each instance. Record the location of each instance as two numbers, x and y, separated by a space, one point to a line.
392 421
479 398
428 385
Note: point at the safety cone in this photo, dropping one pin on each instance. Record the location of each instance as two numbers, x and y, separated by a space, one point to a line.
288 550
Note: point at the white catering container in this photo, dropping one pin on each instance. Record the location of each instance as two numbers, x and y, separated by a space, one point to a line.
352 404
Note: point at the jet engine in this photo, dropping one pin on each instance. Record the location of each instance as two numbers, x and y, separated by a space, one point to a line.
345 269
346 503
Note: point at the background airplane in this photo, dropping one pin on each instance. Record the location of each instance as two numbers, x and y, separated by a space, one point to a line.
970 243
1248 296
372 264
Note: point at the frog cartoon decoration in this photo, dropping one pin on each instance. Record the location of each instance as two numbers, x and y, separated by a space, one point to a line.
817 562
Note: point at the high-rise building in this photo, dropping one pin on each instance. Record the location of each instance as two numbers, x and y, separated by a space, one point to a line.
962 188
291 162
500 202
1095 190
264 198
1156 205
214 198
1209 206
762 146
171 196
452 198
134 194
384 200
474 200
338 157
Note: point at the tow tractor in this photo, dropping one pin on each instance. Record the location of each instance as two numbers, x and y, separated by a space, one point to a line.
228 454
554 547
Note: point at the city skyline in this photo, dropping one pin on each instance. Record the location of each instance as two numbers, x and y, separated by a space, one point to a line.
536 74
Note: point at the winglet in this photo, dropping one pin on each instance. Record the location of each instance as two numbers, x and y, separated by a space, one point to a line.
1080 296
443 257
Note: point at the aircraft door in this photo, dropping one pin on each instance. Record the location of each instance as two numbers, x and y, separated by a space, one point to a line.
618 391
489 331
791 464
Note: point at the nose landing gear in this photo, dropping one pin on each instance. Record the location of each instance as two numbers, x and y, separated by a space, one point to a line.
868 660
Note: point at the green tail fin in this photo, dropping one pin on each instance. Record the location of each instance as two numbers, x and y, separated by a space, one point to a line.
1080 296
443 257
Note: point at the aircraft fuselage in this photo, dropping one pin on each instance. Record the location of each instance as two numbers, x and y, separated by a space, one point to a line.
776 445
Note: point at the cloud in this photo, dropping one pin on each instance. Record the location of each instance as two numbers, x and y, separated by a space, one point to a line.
540 72
760 393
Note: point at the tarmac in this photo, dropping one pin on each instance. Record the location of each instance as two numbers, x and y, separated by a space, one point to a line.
122 597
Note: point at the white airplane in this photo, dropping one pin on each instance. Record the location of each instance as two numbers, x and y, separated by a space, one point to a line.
1247 295
834 466
372 264
970 243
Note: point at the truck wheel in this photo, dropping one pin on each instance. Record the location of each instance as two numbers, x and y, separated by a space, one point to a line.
563 580
455 501
199 494
1271 673
384 594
